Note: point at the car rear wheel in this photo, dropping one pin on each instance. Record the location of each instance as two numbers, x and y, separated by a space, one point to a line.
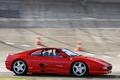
79 68
19 67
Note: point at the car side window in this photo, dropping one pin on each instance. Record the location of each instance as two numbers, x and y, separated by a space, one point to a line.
46 52
57 53
50 52
37 53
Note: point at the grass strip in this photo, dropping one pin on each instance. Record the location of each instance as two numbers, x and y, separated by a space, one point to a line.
23 79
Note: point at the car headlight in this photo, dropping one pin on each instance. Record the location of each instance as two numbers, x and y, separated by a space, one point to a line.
104 67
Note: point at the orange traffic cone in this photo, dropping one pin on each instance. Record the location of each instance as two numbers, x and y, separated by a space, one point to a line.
38 41
78 45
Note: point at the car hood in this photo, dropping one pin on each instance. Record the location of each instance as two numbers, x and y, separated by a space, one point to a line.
94 59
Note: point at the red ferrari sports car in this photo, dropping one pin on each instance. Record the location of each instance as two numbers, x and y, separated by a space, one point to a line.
55 60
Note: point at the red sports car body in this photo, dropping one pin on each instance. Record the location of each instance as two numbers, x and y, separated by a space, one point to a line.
55 60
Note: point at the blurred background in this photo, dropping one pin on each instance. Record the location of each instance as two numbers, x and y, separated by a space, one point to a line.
61 23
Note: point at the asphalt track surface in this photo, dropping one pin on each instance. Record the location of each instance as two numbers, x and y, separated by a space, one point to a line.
113 76
19 41
61 23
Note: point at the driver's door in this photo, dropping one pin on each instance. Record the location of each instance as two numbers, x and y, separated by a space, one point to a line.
54 64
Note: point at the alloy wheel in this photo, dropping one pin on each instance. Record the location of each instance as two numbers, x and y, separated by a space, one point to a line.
19 67
79 68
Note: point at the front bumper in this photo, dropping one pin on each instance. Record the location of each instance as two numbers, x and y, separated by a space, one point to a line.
108 69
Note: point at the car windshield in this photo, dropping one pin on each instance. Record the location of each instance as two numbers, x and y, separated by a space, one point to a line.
68 52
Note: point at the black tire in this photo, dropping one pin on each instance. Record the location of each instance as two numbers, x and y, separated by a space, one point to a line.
19 67
79 68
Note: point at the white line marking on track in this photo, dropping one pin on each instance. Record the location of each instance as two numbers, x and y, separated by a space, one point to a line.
90 54
116 67
25 45
10 43
107 56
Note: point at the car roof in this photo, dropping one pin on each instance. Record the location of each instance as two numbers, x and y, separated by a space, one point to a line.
48 48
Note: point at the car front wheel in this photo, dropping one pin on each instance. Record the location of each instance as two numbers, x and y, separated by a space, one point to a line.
79 68
19 67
